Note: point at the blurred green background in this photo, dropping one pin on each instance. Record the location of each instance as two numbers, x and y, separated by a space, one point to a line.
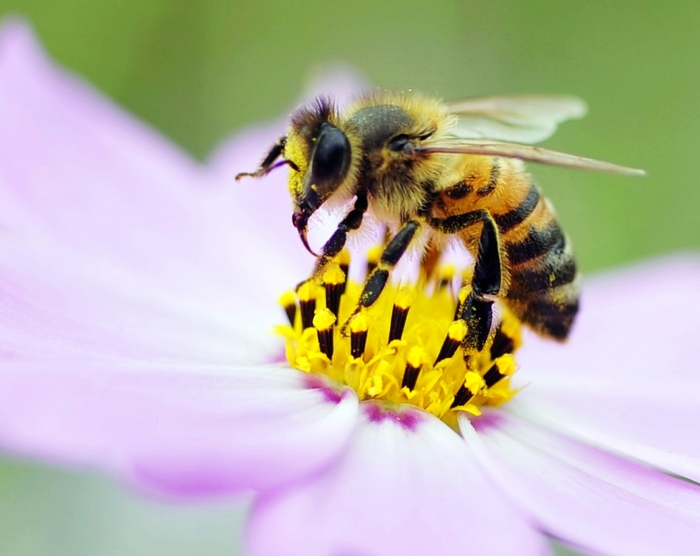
198 69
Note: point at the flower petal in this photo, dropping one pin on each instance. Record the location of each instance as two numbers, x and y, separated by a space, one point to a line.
627 381
639 323
112 236
406 485
83 170
584 496
178 430
56 302
626 420
268 198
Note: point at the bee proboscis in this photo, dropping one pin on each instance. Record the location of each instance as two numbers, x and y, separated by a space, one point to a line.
445 169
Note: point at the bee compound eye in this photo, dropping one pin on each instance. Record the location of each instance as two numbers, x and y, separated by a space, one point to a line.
331 157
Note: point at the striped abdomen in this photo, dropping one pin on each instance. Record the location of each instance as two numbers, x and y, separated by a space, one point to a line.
544 285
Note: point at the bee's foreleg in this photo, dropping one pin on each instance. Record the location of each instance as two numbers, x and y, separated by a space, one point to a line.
267 164
377 279
352 221
477 308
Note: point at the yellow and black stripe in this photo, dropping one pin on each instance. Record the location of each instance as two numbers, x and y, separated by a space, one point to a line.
544 289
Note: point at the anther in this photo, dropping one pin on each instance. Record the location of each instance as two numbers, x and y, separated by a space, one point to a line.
506 339
503 367
399 314
414 362
502 343
288 300
358 335
455 335
373 256
473 383
333 283
323 322
462 296
344 263
307 303
447 274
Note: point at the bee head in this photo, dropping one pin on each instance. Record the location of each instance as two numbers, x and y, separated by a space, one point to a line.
322 154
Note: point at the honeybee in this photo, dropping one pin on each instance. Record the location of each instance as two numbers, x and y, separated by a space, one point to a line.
445 169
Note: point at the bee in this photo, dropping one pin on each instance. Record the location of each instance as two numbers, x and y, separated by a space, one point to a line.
445 170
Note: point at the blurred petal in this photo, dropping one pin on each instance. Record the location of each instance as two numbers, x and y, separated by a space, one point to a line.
638 323
628 379
585 496
179 430
87 173
267 197
111 238
405 486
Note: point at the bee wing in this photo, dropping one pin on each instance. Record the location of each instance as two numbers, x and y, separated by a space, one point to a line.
526 152
523 119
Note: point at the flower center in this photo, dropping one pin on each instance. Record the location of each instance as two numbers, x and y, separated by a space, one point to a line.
404 349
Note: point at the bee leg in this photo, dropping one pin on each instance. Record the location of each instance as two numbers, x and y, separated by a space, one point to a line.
477 309
267 164
352 221
377 279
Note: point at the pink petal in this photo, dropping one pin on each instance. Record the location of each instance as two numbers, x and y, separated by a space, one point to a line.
76 167
628 379
656 429
268 197
405 486
175 429
112 239
56 301
584 496
639 322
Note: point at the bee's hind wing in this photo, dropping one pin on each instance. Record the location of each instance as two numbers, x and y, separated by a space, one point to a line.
521 118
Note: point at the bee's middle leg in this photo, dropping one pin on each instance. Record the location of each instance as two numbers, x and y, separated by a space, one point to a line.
487 282
477 309
393 251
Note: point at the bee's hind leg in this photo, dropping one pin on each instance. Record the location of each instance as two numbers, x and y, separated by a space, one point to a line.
477 309
377 279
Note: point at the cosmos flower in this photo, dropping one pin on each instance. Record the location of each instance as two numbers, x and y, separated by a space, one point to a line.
138 293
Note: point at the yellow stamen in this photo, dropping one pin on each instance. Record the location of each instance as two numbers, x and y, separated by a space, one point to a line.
414 362
358 335
288 300
344 263
307 303
405 348
447 274
373 256
323 323
399 314
334 285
